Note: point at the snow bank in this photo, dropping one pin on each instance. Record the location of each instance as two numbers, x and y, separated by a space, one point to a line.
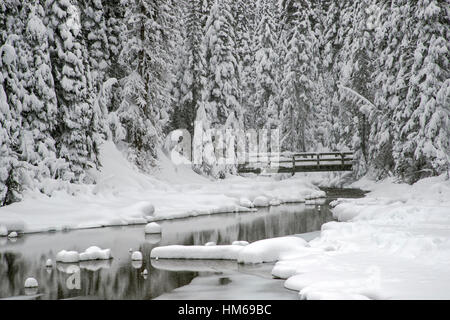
393 244
91 253
123 196
240 243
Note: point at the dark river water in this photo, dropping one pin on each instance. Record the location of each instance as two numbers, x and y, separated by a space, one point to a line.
120 278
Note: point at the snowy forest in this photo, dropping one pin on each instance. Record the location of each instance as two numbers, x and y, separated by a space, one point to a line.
371 76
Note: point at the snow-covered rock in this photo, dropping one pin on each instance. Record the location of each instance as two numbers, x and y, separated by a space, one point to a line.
261 201
212 243
95 253
136 256
152 227
67 256
31 283
13 235
49 263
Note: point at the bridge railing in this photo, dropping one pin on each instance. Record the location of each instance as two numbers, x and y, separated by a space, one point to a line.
299 162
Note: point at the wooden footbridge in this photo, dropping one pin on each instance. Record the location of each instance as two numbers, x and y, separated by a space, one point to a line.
298 162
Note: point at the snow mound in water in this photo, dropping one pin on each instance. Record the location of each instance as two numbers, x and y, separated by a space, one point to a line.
31 283
152 228
136 256
95 253
261 201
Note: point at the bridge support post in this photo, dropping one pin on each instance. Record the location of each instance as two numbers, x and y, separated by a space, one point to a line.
293 165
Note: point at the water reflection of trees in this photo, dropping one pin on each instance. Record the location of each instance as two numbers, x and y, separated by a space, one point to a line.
120 279
119 282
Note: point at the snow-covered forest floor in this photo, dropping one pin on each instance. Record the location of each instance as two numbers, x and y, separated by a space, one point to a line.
123 195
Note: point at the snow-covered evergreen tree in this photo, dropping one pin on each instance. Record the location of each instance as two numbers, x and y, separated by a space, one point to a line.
77 133
423 145
146 58
10 107
221 92
95 33
266 111
39 114
297 84
190 70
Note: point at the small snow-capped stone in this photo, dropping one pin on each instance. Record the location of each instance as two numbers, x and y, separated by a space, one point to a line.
152 227
240 243
67 256
48 263
145 272
13 235
208 244
136 256
130 250
3 231
31 283
261 201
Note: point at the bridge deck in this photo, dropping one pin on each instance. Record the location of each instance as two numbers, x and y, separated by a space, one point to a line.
298 162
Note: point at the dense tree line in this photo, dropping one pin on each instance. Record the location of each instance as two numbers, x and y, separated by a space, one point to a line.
368 75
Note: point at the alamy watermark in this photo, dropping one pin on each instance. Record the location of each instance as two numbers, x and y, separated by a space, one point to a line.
224 146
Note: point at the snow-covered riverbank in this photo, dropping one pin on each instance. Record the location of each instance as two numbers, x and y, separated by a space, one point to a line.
393 244
125 196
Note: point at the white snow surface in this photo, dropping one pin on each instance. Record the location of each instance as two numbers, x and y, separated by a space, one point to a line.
122 195
393 244
220 252
268 250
